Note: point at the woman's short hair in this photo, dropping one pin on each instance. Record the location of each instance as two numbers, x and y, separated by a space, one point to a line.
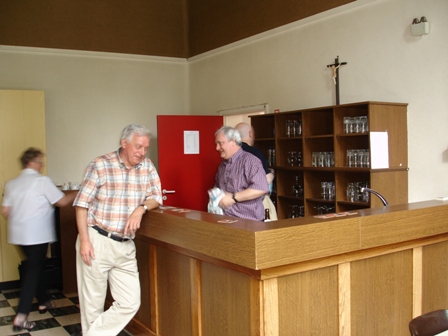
132 129
30 155
230 133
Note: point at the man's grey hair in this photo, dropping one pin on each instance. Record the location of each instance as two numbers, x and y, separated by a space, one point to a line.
132 129
230 133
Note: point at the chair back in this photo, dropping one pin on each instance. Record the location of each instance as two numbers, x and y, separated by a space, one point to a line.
429 324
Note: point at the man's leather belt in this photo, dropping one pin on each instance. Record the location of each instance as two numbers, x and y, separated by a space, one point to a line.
109 234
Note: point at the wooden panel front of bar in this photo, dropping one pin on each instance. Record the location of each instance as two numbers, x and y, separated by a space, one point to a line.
363 274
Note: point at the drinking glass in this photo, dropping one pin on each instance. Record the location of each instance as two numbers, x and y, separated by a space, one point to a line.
293 213
367 158
365 194
351 192
297 189
314 159
295 128
292 158
299 159
350 162
355 158
301 211
364 124
346 125
357 125
331 190
361 158
321 159
324 190
298 127
352 126
289 128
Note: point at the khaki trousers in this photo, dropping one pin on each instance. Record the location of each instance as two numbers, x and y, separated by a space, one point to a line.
114 263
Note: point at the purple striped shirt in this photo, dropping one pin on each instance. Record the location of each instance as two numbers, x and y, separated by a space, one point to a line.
242 171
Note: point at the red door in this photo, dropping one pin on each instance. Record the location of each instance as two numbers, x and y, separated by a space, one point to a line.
187 159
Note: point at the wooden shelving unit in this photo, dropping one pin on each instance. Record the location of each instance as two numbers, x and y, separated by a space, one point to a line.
323 131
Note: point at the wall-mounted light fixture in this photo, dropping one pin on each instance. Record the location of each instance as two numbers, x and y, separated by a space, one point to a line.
420 27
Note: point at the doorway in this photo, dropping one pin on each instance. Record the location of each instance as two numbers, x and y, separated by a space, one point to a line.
242 114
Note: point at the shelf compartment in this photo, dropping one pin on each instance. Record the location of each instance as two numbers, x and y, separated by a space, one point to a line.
285 206
286 180
342 181
286 145
264 126
316 144
346 142
312 181
280 123
317 122
316 206
264 145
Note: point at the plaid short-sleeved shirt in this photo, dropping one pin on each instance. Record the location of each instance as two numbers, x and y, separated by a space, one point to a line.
111 191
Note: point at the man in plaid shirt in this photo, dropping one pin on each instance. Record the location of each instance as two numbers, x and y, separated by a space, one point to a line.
118 188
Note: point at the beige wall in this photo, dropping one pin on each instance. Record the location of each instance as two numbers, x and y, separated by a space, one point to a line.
287 69
90 97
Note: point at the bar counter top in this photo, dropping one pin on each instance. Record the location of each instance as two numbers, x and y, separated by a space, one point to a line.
262 245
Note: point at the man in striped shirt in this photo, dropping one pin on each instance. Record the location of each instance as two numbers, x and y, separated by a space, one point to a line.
241 176
118 188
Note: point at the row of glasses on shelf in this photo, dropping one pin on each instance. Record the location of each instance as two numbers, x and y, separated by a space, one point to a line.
359 158
328 190
324 209
295 159
296 211
293 128
356 125
354 193
322 159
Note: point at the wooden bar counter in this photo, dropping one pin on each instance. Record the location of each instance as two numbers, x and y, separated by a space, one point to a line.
363 274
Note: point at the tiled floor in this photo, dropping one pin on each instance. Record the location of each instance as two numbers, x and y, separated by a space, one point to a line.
64 320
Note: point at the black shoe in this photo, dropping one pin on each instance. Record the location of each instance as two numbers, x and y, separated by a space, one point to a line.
24 325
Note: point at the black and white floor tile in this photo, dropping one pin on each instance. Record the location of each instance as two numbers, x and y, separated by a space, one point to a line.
64 320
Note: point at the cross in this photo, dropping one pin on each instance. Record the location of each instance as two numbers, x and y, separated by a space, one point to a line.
335 68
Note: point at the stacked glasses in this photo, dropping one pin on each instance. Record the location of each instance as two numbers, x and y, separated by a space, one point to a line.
293 128
354 193
295 158
356 125
322 159
359 158
296 211
328 190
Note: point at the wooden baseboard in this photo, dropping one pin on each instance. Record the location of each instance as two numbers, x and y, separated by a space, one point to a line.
9 285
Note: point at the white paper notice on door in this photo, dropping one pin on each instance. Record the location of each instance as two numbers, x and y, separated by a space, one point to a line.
379 150
191 142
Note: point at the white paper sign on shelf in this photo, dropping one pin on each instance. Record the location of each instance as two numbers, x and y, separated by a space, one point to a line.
191 142
379 150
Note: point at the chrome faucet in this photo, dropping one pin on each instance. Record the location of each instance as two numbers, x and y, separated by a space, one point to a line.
381 197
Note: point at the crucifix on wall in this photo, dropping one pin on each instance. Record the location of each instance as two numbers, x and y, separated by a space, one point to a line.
335 67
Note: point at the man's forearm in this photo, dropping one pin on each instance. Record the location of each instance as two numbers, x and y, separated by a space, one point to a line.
151 204
249 194
81 222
